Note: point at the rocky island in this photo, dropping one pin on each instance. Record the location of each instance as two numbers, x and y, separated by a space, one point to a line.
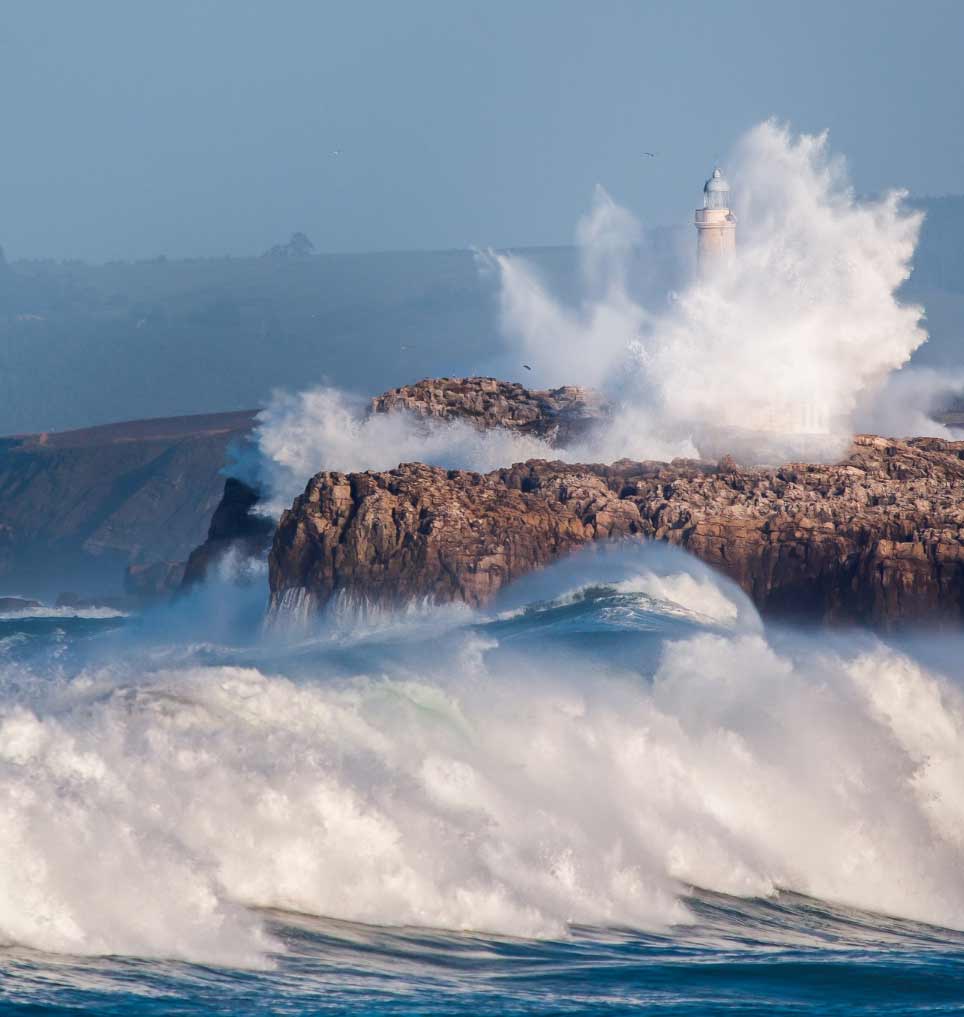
875 539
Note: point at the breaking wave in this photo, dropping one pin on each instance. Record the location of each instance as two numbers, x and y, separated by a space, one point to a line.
773 354
587 756
779 354
43 611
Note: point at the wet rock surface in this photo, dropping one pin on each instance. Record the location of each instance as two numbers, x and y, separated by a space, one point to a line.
557 415
235 527
875 539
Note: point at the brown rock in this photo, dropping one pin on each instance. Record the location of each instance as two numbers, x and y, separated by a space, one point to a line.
876 539
557 415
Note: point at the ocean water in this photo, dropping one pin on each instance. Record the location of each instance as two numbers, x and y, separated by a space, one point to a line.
617 791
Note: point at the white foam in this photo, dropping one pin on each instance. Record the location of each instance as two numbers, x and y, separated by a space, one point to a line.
143 818
769 354
43 611
775 355
325 429
698 596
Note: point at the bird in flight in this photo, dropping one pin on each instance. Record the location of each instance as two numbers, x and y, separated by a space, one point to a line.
527 367
652 155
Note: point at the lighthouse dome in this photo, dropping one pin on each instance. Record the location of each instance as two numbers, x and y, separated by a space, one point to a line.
716 192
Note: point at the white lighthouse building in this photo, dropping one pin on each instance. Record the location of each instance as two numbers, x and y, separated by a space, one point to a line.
715 223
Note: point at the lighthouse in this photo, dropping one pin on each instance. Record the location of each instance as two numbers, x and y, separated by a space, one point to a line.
715 223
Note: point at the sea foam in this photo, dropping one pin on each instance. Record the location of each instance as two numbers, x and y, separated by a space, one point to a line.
466 785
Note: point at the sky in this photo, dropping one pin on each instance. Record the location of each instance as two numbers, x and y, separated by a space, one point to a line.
134 128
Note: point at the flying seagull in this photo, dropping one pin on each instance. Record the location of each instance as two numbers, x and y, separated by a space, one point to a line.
652 155
527 367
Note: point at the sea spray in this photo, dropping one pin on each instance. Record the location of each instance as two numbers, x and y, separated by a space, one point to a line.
508 776
325 429
778 354
774 350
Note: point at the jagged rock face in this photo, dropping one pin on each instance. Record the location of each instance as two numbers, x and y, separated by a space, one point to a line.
874 540
234 526
558 415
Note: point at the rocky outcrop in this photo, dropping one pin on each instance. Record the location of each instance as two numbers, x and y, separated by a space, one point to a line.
558 415
876 539
235 526
14 605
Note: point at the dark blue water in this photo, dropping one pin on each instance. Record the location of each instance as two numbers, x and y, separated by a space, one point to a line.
789 955
587 727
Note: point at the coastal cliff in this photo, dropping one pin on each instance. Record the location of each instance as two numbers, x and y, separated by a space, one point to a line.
77 508
235 526
875 539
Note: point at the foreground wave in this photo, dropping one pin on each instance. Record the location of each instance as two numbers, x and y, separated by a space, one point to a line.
539 781
786 955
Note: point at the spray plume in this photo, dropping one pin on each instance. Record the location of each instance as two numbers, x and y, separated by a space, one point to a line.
777 348
780 353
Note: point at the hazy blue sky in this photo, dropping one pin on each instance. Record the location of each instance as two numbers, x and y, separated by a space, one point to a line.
192 127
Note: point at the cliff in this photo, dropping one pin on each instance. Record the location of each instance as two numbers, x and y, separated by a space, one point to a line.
235 526
876 539
78 507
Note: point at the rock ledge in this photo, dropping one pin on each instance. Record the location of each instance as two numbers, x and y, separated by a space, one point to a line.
876 539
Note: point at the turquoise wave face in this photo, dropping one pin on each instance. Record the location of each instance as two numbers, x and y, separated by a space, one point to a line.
614 790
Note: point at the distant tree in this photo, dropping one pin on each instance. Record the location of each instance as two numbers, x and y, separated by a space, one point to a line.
299 246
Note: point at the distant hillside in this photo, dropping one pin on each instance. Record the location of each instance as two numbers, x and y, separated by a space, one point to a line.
84 344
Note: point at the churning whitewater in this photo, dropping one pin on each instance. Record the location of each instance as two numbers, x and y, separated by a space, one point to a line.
584 757
617 759
786 346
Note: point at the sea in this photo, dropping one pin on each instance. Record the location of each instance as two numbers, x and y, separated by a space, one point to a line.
614 791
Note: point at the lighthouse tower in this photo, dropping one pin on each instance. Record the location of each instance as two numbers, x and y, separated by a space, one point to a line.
715 223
